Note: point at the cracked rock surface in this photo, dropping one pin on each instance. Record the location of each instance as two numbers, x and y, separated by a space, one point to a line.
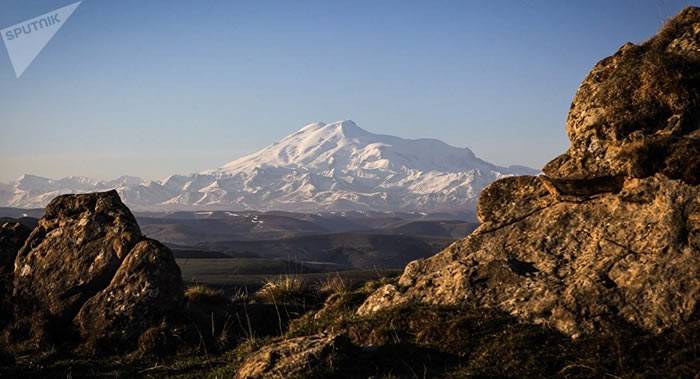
611 232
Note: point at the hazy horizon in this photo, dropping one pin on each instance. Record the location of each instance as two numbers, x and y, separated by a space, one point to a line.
160 88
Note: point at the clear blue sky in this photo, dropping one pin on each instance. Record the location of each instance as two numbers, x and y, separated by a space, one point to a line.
150 88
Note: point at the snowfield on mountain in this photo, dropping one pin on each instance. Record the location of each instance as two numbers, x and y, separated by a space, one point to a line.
322 167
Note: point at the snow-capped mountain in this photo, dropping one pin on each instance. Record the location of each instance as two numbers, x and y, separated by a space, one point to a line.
322 167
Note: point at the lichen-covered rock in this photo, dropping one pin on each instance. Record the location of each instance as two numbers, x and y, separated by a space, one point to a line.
611 235
575 266
296 357
74 252
146 289
636 113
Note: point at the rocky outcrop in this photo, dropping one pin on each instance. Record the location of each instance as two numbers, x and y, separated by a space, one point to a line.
74 252
611 234
576 266
87 263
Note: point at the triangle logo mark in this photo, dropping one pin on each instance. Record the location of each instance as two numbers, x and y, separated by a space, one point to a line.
24 41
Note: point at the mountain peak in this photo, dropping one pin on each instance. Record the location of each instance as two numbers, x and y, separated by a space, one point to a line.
344 147
334 166
347 128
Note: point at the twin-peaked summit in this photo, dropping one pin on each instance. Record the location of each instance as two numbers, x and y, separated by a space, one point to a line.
321 167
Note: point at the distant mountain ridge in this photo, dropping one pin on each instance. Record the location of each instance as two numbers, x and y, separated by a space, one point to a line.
321 167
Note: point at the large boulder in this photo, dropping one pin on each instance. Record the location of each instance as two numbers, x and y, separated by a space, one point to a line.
74 252
86 264
610 236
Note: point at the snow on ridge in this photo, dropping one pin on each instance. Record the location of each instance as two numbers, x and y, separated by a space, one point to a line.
346 145
321 167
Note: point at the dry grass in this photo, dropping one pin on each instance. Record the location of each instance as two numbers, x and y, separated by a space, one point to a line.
200 293
332 285
282 289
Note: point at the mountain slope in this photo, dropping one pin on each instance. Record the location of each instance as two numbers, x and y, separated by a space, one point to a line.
322 167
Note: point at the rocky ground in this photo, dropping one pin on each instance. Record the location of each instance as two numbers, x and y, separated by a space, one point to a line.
590 270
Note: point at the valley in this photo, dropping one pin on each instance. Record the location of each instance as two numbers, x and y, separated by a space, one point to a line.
232 250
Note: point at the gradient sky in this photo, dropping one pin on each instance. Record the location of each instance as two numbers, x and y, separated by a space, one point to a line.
151 88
